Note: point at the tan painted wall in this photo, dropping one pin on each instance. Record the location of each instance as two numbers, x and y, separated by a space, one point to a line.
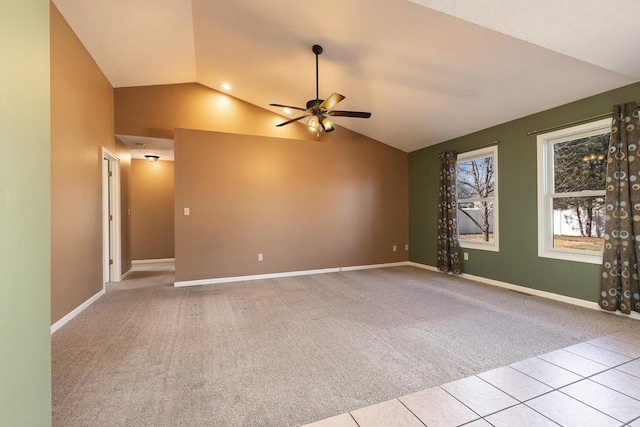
155 111
124 154
152 209
81 123
304 205
303 202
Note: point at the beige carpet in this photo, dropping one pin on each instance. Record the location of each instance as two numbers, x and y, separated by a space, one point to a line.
285 352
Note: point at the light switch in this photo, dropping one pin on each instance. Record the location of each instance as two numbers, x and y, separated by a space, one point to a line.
186 211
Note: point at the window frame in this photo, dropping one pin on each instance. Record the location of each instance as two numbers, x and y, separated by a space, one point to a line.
481 153
546 190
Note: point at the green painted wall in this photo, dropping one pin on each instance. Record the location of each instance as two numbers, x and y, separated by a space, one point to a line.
25 341
517 262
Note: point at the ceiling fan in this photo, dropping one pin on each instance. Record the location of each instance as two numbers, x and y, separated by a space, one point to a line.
318 109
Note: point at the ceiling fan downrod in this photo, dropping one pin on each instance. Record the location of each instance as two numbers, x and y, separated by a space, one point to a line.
317 49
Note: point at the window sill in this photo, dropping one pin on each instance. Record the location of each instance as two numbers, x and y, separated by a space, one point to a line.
589 258
493 247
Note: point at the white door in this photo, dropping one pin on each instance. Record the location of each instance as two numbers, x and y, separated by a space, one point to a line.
110 217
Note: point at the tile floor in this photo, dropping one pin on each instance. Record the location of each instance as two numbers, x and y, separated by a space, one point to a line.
594 383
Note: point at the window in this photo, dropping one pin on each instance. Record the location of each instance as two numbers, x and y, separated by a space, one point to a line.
572 168
477 183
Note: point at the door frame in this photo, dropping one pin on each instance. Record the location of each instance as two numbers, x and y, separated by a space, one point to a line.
111 236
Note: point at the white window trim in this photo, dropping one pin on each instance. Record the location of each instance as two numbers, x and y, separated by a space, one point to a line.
545 181
474 155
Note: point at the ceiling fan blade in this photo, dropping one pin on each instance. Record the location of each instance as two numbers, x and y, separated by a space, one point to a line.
288 106
331 101
360 114
292 120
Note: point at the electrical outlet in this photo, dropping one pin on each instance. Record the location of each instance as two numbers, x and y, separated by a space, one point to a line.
466 256
395 248
186 211
260 257
406 247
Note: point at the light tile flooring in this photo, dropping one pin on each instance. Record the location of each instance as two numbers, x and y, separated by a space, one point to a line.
594 383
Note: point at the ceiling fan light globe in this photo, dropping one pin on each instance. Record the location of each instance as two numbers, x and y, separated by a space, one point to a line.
327 125
313 122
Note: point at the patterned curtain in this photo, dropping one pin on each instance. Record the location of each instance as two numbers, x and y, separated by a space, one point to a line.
448 257
619 290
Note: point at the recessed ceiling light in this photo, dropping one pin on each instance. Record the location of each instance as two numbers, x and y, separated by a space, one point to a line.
226 86
286 110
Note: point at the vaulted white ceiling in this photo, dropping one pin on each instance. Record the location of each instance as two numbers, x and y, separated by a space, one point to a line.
427 70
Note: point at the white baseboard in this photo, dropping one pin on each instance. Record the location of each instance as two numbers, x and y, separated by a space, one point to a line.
60 323
423 266
530 291
152 261
369 267
284 274
128 272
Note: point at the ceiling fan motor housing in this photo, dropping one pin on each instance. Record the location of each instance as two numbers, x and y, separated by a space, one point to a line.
314 104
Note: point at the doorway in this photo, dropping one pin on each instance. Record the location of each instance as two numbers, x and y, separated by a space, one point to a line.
111 218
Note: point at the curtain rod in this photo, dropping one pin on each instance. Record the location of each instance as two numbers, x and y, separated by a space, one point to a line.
588 119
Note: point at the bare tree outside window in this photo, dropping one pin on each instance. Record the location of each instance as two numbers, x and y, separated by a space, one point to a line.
476 191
